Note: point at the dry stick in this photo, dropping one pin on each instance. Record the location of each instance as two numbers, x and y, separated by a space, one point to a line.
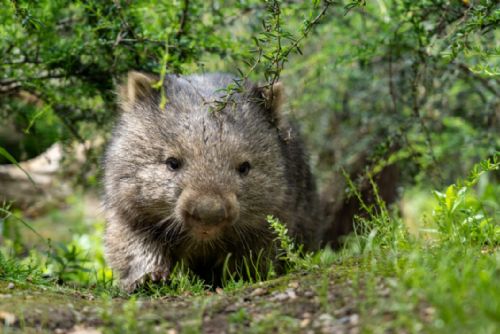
182 25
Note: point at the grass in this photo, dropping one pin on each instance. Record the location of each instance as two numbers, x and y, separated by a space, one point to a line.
449 278
441 277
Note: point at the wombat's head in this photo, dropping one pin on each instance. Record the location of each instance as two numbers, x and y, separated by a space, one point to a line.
185 171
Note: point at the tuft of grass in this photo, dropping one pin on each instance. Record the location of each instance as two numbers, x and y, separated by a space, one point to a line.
262 266
291 254
250 269
77 263
13 270
438 284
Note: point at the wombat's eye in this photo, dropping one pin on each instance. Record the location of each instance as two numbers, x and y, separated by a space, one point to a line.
244 168
173 164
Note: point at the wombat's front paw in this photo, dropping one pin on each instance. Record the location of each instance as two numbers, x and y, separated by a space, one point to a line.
156 276
133 282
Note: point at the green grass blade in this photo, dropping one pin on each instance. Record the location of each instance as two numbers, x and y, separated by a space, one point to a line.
8 156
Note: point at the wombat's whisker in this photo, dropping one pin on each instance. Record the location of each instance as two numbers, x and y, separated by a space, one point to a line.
241 236
173 230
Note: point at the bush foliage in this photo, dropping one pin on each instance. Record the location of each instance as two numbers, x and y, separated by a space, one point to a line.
409 81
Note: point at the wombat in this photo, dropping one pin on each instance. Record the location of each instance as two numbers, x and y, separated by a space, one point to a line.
187 181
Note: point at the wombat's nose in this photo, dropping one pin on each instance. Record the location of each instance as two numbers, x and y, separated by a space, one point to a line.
209 210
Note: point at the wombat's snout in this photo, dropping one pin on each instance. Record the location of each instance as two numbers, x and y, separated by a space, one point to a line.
205 215
208 210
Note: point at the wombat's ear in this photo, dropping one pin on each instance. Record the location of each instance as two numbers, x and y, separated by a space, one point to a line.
272 96
139 86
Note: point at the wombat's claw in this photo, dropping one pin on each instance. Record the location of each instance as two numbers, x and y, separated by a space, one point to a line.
157 276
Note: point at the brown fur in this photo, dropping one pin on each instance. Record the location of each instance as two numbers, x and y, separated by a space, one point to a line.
210 205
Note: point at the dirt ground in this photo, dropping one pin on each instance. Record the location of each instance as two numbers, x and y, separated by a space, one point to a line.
301 303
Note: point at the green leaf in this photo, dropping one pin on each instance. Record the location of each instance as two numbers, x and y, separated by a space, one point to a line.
451 195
